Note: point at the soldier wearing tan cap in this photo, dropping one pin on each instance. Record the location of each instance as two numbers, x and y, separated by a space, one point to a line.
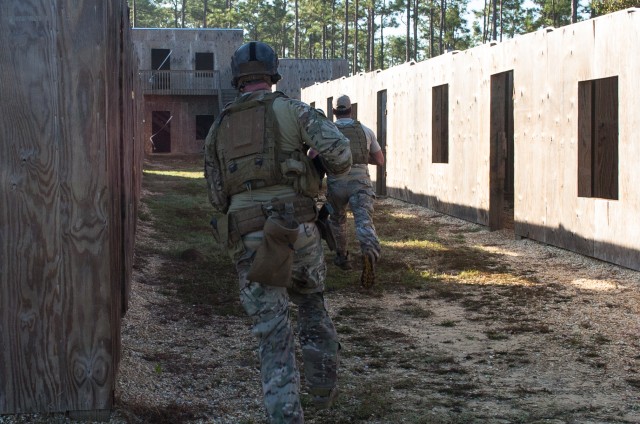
355 190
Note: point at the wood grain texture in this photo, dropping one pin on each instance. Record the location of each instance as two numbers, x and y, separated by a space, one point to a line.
63 254
549 161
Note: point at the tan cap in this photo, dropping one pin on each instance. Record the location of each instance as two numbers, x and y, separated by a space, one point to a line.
342 103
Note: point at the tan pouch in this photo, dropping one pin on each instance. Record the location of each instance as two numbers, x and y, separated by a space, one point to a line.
273 262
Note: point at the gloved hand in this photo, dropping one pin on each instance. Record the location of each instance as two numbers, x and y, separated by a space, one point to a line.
273 262
325 228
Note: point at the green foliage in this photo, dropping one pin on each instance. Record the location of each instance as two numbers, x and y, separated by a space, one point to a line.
321 24
602 7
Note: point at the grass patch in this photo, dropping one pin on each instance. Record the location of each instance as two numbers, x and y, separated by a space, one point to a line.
191 265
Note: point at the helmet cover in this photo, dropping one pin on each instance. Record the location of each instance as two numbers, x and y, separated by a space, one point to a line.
254 58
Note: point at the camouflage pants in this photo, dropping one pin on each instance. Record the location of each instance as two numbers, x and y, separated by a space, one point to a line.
268 306
359 196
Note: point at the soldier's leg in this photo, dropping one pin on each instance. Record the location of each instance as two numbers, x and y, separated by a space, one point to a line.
269 309
361 205
317 334
338 198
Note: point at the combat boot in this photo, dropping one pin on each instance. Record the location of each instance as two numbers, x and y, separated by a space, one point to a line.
368 277
343 261
324 398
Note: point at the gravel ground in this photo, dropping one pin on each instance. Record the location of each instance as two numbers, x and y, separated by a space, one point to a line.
559 345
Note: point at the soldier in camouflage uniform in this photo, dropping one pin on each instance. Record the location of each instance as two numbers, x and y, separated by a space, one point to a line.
259 176
355 190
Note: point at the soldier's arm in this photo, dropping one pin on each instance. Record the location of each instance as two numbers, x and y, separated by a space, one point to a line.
323 136
213 175
376 157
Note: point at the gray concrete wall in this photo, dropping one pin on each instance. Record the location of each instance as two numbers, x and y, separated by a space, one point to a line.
185 43
300 73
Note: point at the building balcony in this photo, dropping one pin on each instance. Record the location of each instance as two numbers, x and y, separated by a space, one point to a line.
171 83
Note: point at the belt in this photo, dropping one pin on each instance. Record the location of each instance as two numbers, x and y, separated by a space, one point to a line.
251 219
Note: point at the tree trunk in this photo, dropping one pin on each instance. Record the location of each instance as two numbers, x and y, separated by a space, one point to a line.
415 30
431 46
345 43
204 13
371 39
333 29
443 8
494 28
384 5
324 30
501 28
574 11
355 39
296 40
407 44
485 21
182 13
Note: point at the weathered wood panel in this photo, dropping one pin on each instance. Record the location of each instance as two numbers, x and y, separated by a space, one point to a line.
62 231
548 116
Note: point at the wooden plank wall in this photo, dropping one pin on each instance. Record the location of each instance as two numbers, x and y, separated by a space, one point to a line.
547 67
69 173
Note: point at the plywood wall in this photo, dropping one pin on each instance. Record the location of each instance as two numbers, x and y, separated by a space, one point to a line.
69 173
547 68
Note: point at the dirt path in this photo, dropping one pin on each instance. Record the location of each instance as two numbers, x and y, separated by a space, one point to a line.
538 334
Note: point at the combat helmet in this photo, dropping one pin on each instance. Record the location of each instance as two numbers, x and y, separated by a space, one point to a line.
254 60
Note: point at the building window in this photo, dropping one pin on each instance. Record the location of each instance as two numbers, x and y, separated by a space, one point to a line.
203 124
330 108
598 138
204 62
440 124
160 59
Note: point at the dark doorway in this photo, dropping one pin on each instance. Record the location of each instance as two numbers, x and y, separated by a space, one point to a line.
598 138
381 135
161 130
501 152
440 124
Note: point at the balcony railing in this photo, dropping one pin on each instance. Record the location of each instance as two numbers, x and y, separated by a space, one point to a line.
180 82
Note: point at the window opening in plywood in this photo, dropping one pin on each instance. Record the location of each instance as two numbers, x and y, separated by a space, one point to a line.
203 124
330 108
501 158
354 111
598 162
312 104
440 124
381 135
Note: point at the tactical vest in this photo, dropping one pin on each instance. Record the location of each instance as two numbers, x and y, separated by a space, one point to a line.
249 155
357 141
